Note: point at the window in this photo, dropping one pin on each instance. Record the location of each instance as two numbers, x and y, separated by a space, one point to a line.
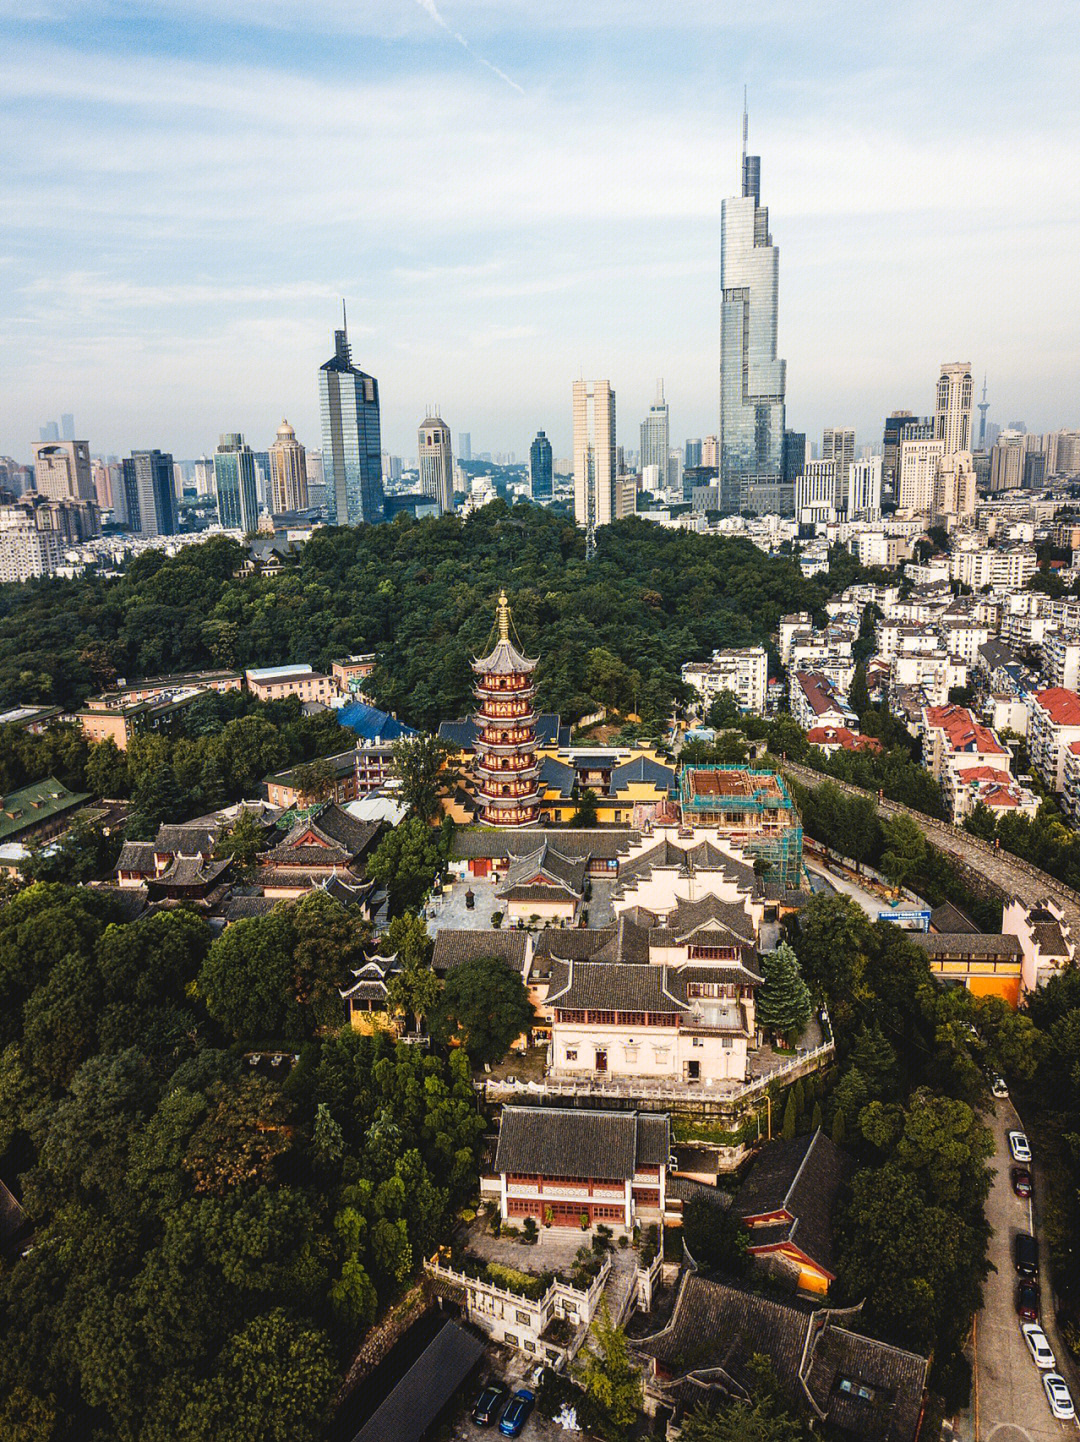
859 1390
510 1339
571 1053
529 1346
523 1317
726 1043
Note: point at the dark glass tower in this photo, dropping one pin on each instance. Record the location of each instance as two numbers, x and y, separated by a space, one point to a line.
540 468
352 446
149 493
752 380
234 483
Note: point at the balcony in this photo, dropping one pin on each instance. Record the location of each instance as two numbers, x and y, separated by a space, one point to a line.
528 772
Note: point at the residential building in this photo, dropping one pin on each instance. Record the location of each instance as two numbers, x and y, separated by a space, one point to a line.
709 1351
275 683
952 417
598 500
540 468
1061 658
149 493
954 489
1063 453
830 739
234 484
559 1166
743 671
62 470
919 462
154 707
862 501
1007 461
1007 569
901 426
1047 945
1053 726
655 442
838 445
288 472
815 701
991 786
817 493
27 550
436 459
352 446
752 378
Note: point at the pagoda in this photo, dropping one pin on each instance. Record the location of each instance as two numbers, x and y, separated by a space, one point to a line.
506 769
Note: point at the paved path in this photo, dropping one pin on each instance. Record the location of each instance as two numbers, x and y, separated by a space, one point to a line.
1008 1401
1008 874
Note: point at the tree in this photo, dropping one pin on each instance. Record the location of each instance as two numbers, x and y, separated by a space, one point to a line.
242 841
723 710
485 1005
586 814
787 1130
247 1128
405 862
422 767
314 780
981 822
863 830
246 980
905 849
609 1379
783 1003
715 1236
107 770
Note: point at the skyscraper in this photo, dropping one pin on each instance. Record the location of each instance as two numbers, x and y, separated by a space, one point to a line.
901 426
863 486
597 500
234 482
952 417
149 493
918 470
794 455
67 427
838 444
62 470
464 445
436 462
540 468
288 472
654 435
692 454
352 449
50 431
752 379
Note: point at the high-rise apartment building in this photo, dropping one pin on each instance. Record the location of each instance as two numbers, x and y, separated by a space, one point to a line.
919 462
1063 453
235 485
149 493
692 454
27 548
901 426
101 477
710 452
654 435
288 472
597 498
752 379
464 445
954 489
817 493
863 500
838 444
436 457
1007 461
540 468
352 447
952 416
50 431
62 470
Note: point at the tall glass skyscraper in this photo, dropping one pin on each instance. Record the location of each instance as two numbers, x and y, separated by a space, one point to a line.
234 483
352 449
654 437
540 468
149 493
752 380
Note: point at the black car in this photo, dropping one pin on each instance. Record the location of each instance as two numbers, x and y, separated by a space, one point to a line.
488 1405
1026 1255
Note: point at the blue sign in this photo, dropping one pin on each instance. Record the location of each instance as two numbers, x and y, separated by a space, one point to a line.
919 919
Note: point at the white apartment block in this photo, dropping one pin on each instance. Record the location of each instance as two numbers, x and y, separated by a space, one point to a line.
936 674
817 493
863 500
790 626
962 637
876 548
744 672
1007 570
1053 726
1061 658
954 490
919 462
25 551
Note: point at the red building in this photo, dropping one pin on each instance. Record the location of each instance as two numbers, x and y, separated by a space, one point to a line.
506 769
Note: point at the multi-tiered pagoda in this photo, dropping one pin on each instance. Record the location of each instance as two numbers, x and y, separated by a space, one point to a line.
507 772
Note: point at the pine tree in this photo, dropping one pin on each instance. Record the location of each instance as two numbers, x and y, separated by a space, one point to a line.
800 1097
815 1120
783 1003
787 1131
838 1128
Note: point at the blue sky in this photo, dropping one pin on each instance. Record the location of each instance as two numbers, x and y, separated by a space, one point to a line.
186 190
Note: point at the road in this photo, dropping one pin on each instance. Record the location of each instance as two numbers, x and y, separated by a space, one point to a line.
1010 876
1008 1401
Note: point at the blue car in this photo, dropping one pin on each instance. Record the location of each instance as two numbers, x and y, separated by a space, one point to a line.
517 1413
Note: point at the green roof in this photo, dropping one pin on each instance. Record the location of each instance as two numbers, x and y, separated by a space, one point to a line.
22 810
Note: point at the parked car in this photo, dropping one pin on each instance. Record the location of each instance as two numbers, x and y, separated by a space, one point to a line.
1038 1346
488 1403
1026 1256
1057 1394
1018 1145
1027 1302
1021 1181
998 1087
517 1412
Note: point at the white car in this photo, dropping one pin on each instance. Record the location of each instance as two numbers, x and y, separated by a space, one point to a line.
998 1087
1057 1394
1038 1346
1018 1145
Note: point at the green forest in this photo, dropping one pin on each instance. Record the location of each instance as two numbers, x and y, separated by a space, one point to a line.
421 594
209 1239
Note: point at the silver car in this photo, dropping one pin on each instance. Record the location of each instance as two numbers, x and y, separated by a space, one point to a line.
1038 1346
1057 1394
1020 1147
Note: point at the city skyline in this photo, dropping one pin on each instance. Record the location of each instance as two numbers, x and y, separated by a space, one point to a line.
177 321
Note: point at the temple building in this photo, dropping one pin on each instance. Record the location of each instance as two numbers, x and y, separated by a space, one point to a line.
506 769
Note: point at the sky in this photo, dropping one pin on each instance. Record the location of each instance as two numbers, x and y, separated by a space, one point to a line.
511 194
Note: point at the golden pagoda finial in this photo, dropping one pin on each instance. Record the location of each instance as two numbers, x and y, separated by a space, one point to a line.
503 617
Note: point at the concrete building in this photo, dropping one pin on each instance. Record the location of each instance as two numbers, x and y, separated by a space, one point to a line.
952 416
954 489
862 501
541 484
27 550
838 444
655 435
817 493
901 426
1007 461
598 499
1061 658
815 701
436 458
149 493
62 470
1053 726
919 464
1001 570
288 472
274 683
743 671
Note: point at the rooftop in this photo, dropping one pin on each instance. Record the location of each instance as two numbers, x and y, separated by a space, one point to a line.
1063 707
557 1142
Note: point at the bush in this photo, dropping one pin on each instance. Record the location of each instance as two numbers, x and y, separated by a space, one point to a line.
530 1230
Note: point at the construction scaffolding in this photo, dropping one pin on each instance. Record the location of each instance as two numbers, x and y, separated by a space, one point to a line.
752 808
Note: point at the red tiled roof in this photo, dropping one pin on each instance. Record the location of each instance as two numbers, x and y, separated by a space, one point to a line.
842 737
962 731
818 692
1063 707
984 773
